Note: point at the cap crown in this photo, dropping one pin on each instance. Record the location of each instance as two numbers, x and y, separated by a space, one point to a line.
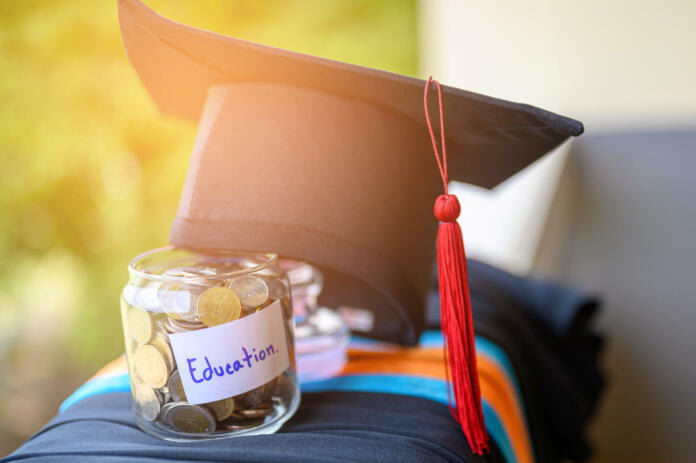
324 161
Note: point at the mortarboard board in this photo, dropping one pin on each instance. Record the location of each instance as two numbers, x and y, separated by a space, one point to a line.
324 161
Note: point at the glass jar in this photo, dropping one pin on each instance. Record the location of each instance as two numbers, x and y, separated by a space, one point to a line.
321 335
209 343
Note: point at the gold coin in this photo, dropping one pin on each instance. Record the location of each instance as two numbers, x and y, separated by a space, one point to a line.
250 399
235 417
218 305
269 388
221 409
234 425
252 291
256 412
163 326
180 326
176 387
162 344
248 312
190 418
151 366
140 325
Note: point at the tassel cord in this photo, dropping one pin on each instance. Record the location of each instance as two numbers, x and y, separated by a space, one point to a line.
459 350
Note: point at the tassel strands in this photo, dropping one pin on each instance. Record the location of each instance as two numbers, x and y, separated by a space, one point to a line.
455 302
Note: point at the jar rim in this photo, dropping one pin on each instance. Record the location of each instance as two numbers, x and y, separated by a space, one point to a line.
267 259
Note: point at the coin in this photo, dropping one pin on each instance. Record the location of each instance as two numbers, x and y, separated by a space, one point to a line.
276 288
252 291
263 410
148 400
186 299
130 344
176 387
162 344
146 295
218 305
269 389
189 418
165 411
151 365
164 326
221 408
233 425
140 325
234 416
249 311
168 299
250 399
164 393
178 300
179 326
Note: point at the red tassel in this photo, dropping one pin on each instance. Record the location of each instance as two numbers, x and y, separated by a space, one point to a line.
455 304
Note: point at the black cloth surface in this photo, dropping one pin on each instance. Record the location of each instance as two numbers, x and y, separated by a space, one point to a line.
328 427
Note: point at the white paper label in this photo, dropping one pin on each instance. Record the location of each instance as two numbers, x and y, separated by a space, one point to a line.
233 358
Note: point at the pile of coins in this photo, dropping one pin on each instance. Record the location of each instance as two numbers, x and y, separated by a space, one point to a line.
195 300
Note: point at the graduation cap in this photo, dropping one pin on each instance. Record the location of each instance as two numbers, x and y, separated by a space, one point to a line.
327 162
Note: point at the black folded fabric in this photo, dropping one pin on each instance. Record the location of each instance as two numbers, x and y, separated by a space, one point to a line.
328 427
545 328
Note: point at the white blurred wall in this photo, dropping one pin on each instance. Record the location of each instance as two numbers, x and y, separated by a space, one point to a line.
615 65
609 63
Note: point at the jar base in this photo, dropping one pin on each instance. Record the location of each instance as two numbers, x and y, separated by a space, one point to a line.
273 423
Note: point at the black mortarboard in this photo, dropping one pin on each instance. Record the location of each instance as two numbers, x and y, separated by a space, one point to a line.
324 161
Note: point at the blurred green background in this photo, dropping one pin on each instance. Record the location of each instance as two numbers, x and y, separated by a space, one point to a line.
90 173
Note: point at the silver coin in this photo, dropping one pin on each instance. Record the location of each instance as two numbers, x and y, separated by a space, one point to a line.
189 418
176 387
165 410
186 297
252 291
178 298
168 297
164 393
149 401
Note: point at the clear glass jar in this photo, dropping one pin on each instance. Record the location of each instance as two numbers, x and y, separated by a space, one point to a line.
321 335
210 344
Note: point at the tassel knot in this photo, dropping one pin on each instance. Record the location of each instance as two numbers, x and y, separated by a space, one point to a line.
447 208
